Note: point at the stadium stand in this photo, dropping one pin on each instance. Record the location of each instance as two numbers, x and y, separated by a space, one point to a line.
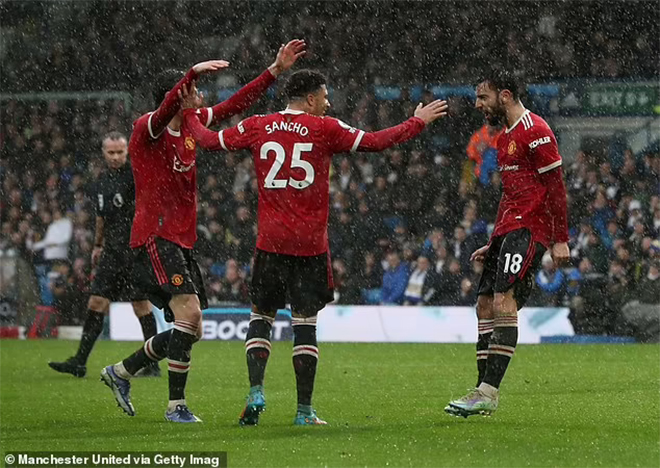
419 199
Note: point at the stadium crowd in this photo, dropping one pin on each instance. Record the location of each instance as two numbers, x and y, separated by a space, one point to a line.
403 223
113 45
402 228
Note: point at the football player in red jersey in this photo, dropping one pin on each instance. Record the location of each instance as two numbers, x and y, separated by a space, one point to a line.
292 152
531 219
163 155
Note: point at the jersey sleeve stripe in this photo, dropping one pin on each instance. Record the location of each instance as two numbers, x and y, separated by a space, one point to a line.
151 132
210 118
221 137
357 141
550 167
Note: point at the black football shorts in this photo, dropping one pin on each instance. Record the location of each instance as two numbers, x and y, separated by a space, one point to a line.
112 279
165 269
511 262
305 282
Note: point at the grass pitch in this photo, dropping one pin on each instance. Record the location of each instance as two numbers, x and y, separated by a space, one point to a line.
561 405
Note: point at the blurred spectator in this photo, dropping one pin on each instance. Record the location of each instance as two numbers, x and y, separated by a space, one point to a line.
460 248
634 214
550 284
55 244
243 235
468 293
421 284
587 305
346 291
395 280
596 253
611 233
231 289
648 291
370 279
482 152
449 286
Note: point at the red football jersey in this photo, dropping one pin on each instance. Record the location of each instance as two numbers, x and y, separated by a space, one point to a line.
164 169
525 151
165 182
292 152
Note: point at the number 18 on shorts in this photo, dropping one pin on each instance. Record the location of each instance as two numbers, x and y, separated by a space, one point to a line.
511 262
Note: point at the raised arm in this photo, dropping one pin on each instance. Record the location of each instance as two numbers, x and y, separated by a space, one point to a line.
248 94
231 139
167 109
383 139
204 137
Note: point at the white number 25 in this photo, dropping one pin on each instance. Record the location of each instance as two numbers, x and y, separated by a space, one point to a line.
271 181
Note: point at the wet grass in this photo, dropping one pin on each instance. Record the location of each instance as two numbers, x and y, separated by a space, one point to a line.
561 405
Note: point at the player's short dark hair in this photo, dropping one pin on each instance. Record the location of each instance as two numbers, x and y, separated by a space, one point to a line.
500 80
114 136
164 82
304 82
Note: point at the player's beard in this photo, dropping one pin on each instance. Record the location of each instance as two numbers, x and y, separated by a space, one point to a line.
493 119
496 116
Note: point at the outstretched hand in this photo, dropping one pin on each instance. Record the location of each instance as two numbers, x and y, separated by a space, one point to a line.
432 111
190 97
287 56
210 66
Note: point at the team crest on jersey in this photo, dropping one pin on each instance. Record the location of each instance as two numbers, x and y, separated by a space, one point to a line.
190 143
512 147
177 280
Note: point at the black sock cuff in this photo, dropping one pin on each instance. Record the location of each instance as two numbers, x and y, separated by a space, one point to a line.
258 329
304 341
505 336
156 347
304 335
180 345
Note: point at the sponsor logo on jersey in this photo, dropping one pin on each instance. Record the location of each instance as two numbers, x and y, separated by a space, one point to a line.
190 143
179 166
177 280
539 142
508 168
512 147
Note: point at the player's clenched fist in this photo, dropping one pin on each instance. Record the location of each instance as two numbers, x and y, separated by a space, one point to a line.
432 111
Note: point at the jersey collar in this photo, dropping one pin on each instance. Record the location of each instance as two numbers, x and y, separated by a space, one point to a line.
291 111
525 112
